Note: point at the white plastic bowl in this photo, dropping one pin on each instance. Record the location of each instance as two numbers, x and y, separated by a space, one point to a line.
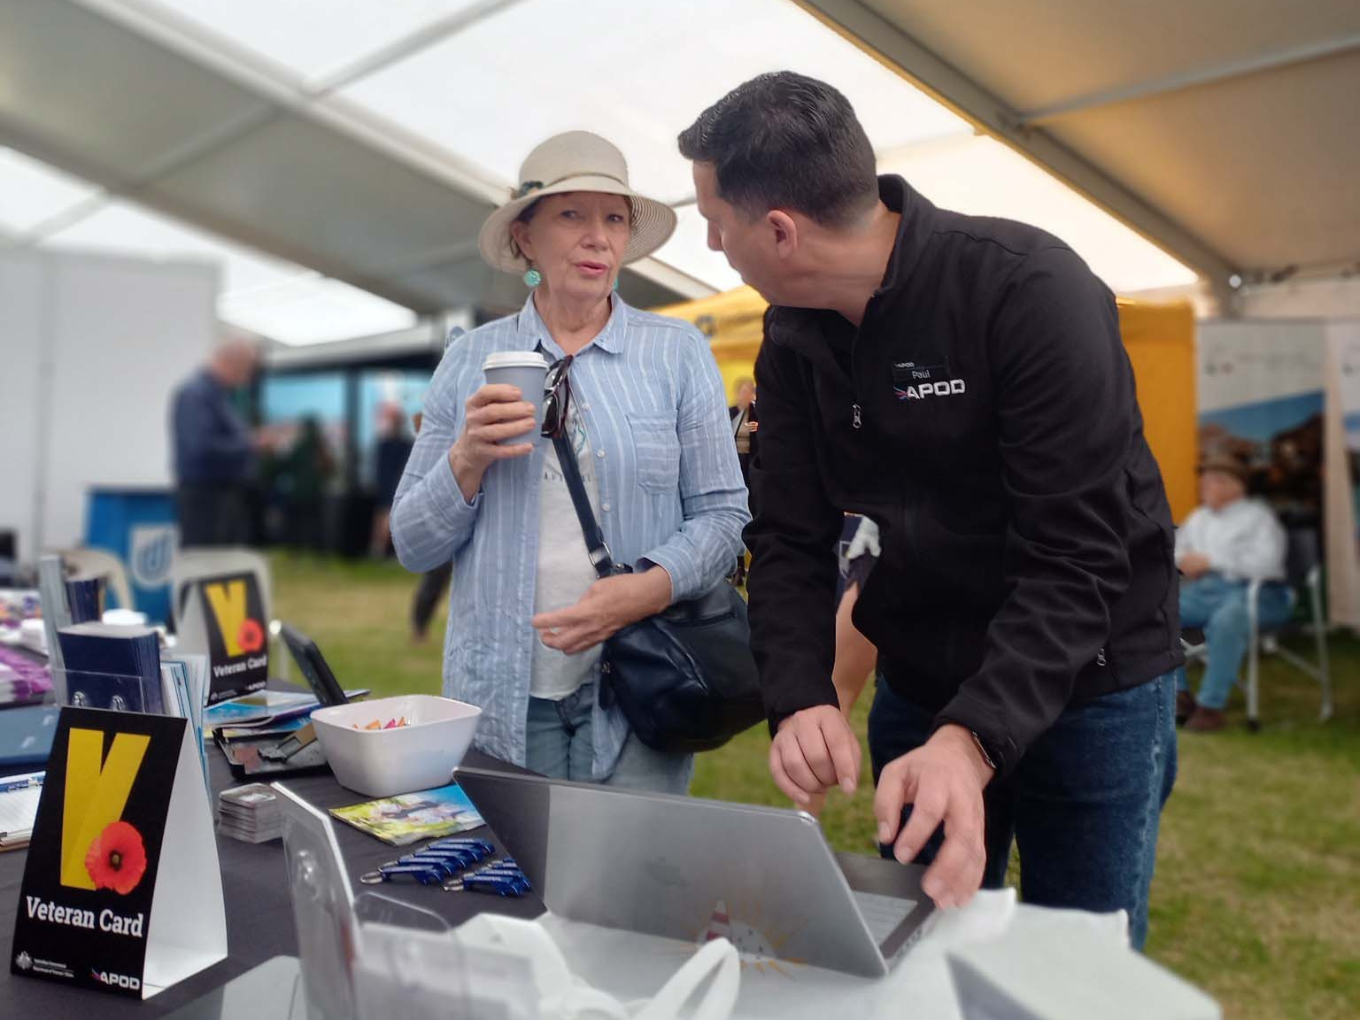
381 763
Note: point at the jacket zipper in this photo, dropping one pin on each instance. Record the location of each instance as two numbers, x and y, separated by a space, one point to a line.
856 412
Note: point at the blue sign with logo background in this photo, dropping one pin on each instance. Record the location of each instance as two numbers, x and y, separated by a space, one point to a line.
139 526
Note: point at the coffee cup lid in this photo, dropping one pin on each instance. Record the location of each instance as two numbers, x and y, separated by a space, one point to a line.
514 359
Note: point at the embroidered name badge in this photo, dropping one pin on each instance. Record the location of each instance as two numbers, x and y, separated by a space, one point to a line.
916 381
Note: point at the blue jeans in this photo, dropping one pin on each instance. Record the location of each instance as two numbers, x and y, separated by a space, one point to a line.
560 746
1220 607
1084 802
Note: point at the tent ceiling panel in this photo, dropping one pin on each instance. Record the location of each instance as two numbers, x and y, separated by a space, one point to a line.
639 291
1038 54
128 229
77 89
451 284
312 39
311 309
219 113
981 176
301 185
31 192
688 251
635 73
1264 165
1225 129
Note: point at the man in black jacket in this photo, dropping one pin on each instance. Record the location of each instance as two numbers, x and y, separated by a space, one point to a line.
961 381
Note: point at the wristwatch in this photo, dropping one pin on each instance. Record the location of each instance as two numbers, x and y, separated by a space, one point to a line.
982 749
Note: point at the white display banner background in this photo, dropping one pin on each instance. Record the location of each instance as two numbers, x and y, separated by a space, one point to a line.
1243 363
93 346
1261 397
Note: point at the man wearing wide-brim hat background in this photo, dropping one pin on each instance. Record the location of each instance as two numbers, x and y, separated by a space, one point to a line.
1224 545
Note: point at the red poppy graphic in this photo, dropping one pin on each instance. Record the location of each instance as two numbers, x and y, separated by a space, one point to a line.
250 636
117 858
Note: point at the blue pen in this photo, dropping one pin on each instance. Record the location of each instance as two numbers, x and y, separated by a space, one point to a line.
28 782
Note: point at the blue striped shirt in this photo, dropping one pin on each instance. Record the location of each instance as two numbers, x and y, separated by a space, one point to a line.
670 493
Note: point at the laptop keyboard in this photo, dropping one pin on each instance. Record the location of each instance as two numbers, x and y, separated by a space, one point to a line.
882 913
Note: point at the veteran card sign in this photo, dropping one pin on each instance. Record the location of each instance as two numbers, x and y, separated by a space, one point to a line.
224 617
121 890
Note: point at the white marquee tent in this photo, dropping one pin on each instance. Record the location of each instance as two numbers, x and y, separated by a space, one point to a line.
337 159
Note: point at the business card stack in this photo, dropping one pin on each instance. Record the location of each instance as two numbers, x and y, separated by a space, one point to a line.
112 666
249 813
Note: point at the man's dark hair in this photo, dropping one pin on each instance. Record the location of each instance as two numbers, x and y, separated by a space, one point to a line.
787 141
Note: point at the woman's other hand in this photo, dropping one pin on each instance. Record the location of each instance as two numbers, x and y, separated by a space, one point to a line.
494 413
609 605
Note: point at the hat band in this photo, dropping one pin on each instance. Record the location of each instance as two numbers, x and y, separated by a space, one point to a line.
529 187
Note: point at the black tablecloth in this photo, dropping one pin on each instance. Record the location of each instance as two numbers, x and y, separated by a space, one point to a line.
259 913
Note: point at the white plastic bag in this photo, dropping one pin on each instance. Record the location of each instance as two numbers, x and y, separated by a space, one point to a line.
489 939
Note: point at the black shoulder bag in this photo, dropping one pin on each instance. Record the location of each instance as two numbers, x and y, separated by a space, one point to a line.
685 678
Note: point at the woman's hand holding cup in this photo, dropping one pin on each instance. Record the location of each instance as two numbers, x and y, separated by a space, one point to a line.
497 415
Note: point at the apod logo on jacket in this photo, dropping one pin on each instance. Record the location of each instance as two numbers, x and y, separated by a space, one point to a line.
916 380
241 634
943 388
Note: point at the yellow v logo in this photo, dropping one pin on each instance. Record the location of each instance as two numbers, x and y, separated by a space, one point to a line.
228 603
96 793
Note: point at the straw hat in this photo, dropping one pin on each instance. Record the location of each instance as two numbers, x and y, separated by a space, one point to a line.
574 161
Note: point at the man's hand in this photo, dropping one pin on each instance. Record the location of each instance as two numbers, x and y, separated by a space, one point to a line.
943 781
493 413
609 605
814 750
1193 565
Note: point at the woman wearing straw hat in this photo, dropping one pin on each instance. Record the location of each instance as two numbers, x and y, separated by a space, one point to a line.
641 400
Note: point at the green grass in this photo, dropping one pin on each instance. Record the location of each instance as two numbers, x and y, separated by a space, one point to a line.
1257 893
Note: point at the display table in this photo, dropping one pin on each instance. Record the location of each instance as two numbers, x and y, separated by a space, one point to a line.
627 965
259 913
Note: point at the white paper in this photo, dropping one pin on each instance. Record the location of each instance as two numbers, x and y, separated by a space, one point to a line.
18 809
188 927
190 673
631 966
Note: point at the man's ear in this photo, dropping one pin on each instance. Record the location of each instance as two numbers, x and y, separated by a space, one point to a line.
784 229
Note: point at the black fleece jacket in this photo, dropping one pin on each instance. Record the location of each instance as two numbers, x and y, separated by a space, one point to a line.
984 415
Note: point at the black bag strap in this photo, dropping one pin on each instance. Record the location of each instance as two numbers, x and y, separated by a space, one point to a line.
590 527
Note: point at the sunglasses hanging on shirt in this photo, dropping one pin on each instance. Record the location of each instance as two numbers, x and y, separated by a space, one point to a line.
557 390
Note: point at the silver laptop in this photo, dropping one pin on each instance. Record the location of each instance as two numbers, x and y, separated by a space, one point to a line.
692 869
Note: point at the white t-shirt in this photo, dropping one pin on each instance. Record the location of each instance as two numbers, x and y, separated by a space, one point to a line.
1244 541
564 570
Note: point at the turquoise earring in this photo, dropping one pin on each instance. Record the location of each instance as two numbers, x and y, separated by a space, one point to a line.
532 278
616 283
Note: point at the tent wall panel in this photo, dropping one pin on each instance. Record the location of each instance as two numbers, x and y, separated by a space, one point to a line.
104 341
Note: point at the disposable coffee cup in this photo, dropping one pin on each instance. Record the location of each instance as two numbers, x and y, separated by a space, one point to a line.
525 369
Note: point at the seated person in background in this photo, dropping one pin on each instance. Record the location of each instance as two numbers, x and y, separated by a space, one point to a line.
1222 547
